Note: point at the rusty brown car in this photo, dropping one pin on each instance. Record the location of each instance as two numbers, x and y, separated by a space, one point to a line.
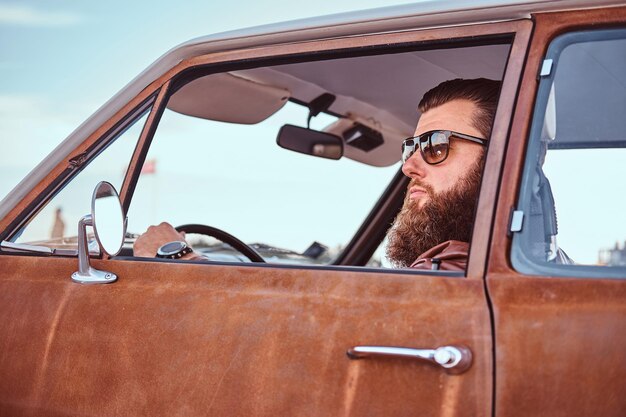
306 318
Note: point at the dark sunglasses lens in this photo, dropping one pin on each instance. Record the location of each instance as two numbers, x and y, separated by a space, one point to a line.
408 149
435 149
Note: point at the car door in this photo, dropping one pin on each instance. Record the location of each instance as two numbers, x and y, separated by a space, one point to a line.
560 323
194 338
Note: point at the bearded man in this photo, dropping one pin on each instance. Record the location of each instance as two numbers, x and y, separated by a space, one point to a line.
444 161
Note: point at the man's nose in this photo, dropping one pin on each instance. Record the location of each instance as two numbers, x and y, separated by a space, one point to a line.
414 166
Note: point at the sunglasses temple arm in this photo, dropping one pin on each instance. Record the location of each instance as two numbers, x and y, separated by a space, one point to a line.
471 138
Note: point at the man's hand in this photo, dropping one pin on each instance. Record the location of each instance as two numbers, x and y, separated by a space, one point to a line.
146 245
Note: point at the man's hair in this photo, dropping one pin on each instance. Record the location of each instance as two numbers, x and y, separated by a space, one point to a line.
480 91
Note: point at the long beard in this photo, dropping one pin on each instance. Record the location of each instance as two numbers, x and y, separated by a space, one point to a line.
444 216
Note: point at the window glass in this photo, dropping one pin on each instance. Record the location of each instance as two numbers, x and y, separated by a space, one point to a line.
214 159
572 193
56 224
236 178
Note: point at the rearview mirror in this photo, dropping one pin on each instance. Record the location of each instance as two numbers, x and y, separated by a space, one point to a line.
310 142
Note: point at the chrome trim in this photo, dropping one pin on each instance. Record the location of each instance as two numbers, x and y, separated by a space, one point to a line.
12 247
21 247
454 359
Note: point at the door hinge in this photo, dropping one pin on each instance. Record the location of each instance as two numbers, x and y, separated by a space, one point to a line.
517 221
546 68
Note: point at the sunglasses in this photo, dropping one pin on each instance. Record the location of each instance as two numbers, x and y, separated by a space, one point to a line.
434 145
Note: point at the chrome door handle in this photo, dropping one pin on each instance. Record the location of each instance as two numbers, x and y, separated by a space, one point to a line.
454 359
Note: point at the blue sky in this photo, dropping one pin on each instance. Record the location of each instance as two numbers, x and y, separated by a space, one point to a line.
61 60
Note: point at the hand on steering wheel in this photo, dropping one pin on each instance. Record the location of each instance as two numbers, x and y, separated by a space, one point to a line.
227 238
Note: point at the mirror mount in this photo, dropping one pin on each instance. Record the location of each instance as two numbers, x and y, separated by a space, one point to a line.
86 274
318 105
109 234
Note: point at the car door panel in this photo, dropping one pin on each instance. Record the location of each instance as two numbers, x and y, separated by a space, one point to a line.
558 341
569 358
171 339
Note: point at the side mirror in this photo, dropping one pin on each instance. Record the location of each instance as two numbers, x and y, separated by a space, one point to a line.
109 226
310 142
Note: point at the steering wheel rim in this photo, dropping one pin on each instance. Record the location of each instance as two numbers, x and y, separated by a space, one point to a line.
225 237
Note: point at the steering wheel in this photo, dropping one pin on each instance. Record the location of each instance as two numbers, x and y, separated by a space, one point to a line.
227 238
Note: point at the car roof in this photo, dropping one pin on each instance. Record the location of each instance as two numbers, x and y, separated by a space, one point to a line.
426 14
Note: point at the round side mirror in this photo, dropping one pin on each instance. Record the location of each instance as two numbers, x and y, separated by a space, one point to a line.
108 219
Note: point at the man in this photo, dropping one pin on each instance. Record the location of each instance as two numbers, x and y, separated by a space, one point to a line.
444 161
58 227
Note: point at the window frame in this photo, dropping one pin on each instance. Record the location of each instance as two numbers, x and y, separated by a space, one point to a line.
519 258
372 230
76 165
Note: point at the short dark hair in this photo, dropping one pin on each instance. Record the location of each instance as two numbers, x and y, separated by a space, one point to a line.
481 91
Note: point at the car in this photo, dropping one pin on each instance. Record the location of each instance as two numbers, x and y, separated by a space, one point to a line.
283 143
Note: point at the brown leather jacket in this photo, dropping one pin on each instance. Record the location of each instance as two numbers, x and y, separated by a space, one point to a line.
447 256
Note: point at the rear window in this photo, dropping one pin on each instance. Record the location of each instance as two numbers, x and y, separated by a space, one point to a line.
572 195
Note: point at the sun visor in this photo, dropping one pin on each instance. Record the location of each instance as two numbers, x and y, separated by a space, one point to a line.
228 98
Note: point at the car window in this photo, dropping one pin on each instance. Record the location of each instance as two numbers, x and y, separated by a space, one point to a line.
214 159
236 178
56 224
572 196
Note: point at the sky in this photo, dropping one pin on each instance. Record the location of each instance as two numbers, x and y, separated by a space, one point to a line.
60 61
